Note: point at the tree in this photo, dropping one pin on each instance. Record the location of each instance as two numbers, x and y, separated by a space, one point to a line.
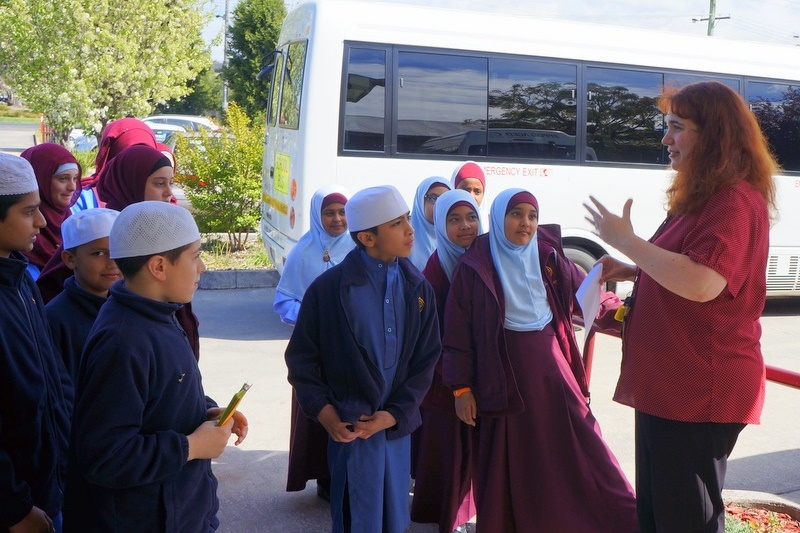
253 34
205 97
87 62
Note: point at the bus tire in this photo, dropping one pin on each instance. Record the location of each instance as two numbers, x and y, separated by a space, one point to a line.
585 261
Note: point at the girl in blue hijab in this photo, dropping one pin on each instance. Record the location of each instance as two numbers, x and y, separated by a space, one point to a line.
443 449
428 192
321 247
513 365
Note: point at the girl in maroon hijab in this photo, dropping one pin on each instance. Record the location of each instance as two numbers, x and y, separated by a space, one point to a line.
58 174
137 174
117 136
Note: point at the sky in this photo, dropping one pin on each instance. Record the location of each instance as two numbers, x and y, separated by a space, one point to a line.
775 21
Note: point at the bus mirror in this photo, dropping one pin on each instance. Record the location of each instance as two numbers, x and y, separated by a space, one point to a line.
360 86
265 72
268 63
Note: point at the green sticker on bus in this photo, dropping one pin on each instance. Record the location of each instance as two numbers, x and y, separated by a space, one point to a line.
282 165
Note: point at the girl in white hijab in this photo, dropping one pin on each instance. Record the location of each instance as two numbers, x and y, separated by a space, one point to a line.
321 247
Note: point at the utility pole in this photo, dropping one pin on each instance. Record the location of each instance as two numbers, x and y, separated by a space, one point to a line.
225 58
712 17
712 13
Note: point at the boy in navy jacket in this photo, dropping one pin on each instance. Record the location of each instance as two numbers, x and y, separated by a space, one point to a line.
35 391
361 360
144 432
72 313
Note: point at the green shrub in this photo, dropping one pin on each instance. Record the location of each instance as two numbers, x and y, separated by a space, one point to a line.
220 173
734 525
86 160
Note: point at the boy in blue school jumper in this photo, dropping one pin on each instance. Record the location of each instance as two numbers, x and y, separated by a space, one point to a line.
144 433
72 313
35 390
361 360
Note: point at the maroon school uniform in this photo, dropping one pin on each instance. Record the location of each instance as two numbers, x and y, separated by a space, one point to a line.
543 465
444 448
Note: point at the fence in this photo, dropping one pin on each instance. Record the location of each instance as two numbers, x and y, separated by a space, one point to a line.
46 134
774 374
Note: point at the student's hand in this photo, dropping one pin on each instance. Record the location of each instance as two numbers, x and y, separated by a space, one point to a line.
240 427
338 430
616 270
371 424
36 521
239 422
466 408
208 441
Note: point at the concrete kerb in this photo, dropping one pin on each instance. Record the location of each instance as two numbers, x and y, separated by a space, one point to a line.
761 500
239 279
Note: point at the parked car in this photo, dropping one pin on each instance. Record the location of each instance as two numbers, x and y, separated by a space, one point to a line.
79 142
163 131
187 122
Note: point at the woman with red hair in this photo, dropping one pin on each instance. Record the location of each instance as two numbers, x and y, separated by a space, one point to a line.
692 366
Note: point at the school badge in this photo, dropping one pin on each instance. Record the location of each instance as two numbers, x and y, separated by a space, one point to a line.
421 303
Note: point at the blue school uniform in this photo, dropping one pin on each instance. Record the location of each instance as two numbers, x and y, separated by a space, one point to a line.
35 398
341 354
71 315
139 395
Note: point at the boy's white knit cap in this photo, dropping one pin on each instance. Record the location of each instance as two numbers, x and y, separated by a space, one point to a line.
374 206
16 175
148 228
87 225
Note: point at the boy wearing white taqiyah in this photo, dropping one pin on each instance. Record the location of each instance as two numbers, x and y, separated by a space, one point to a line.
35 384
144 433
72 313
361 359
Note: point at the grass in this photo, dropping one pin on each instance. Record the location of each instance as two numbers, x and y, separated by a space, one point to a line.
17 115
217 255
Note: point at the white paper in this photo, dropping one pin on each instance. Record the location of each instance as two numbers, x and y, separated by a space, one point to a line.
588 295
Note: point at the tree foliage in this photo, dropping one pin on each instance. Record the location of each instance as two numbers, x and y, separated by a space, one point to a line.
253 34
780 122
87 62
204 99
221 175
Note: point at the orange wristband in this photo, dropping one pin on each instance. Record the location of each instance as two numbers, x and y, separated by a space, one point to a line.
462 390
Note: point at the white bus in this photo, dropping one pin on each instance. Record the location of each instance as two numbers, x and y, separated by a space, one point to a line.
368 92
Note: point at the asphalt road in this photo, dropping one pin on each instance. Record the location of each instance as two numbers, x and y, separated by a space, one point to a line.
243 341
15 138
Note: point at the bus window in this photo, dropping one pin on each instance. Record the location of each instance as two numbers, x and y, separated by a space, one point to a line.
777 107
365 100
680 80
623 123
532 109
438 95
274 89
291 92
